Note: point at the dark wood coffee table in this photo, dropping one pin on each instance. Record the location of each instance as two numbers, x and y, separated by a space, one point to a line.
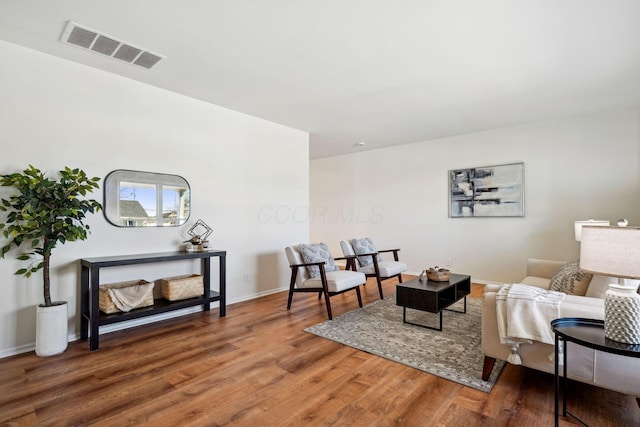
433 297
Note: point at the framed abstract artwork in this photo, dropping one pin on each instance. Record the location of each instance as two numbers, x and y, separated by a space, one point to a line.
489 191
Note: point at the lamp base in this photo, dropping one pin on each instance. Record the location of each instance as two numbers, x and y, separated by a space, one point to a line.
622 314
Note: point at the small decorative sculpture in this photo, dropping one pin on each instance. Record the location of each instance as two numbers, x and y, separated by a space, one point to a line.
195 240
199 232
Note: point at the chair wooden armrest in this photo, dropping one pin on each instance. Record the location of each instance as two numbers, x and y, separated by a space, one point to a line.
307 264
371 254
395 253
351 262
347 257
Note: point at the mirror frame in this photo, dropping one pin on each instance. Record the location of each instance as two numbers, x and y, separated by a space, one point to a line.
112 196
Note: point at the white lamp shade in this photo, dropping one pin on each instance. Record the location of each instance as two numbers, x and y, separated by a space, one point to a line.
593 222
611 251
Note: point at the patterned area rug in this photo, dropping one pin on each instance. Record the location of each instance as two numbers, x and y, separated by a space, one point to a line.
454 354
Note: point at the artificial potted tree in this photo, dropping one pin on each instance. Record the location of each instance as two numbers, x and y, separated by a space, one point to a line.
42 214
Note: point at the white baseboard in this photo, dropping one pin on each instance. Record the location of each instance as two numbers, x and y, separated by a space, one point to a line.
17 350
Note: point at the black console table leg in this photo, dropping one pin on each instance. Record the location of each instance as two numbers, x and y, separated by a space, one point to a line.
223 285
94 308
206 277
84 303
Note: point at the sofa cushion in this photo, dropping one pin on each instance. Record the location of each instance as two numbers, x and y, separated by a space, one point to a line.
579 306
338 280
317 252
386 268
570 279
599 285
540 282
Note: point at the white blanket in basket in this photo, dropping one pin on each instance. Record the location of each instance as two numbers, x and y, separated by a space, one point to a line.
130 297
524 315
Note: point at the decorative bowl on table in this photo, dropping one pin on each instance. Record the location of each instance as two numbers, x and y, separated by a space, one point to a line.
438 274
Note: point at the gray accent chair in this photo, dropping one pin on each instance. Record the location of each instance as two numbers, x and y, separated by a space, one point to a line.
378 268
329 283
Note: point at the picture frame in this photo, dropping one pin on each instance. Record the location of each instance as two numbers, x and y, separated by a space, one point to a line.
487 191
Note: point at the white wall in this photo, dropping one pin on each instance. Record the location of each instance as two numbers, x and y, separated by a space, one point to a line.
575 168
56 113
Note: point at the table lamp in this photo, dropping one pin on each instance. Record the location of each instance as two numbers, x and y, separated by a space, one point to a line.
615 251
577 226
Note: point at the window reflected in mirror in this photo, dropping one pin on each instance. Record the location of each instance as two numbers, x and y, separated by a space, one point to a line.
146 199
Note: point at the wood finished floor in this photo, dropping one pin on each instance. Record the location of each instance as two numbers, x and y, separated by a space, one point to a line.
256 367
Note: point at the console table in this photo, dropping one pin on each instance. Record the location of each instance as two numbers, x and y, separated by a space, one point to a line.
92 319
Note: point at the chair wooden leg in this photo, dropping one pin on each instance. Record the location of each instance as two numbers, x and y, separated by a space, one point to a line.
328 303
359 296
319 295
325 290
380 287
400 277
294 273
487 367
377 270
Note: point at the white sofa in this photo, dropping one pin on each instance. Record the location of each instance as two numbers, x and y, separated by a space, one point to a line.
605 370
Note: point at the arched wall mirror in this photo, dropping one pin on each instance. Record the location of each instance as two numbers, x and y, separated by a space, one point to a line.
146 199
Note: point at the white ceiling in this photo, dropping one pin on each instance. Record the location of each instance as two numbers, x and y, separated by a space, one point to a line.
380 71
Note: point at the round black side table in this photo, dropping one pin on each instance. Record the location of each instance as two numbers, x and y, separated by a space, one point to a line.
588 333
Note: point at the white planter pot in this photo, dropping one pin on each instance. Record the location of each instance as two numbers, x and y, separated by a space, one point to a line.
51 329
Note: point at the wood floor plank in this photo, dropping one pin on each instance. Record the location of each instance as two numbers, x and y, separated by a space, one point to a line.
258 367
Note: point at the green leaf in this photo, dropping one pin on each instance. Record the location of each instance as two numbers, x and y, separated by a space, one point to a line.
45 212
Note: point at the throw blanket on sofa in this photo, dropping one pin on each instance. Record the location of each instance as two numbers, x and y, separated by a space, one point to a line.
524 315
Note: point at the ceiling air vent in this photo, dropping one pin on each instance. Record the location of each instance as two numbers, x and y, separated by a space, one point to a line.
103 44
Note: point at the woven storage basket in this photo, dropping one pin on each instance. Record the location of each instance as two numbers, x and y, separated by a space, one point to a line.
106 304
181 287
438 275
